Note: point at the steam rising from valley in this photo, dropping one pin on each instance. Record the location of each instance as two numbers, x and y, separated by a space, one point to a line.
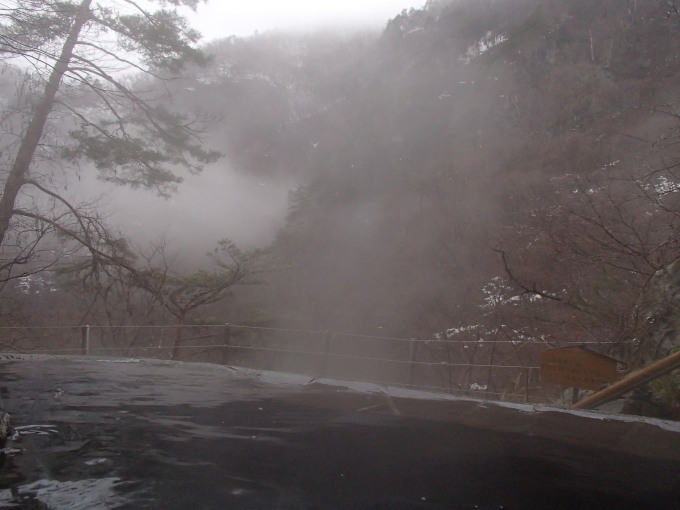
216 204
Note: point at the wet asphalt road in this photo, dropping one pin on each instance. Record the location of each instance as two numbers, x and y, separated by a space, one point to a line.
134 435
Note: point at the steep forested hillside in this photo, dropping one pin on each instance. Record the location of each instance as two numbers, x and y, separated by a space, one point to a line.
507 165
456 133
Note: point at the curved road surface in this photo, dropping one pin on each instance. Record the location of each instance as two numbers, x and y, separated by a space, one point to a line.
134 434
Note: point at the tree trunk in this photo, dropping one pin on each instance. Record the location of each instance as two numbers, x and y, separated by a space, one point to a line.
22 163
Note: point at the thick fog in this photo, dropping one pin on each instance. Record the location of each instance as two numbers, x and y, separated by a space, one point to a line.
218 203
489 174
217 19
224 201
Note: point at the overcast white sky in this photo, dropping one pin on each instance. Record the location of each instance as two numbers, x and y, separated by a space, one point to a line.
222 18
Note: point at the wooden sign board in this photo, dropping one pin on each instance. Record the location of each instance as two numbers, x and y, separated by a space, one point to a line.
577 367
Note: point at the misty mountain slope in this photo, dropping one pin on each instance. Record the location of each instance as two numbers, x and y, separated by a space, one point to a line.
441 138
544 129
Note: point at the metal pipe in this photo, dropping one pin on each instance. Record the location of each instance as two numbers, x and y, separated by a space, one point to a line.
649 373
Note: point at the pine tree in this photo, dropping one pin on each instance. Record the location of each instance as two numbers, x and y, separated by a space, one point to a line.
77 54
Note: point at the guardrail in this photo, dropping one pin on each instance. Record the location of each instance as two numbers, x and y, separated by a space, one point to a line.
490 369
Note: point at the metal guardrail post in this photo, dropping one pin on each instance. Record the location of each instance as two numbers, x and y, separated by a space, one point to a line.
226 342
86 339
527 373
412 366
328 336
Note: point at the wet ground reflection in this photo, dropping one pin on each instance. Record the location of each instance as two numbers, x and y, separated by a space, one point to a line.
134 436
